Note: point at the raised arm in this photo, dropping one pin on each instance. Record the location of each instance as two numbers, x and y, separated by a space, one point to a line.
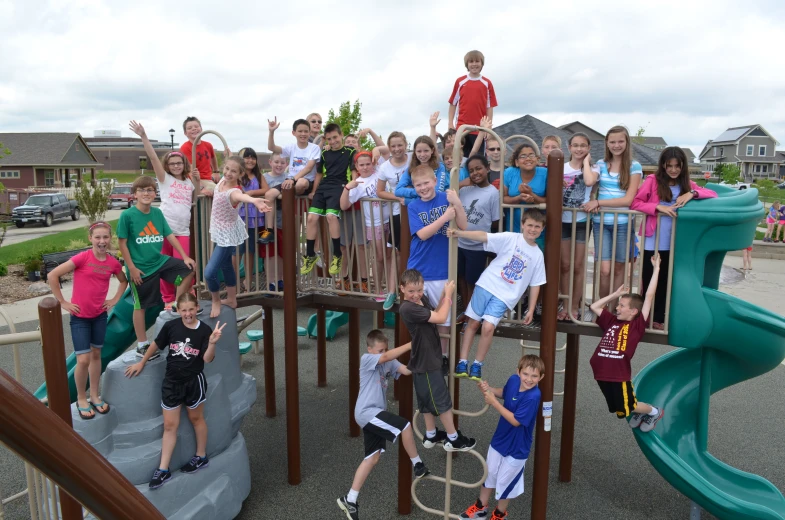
433 122
598 305
158 168
590 176
442 312
460 213
652 289
272 126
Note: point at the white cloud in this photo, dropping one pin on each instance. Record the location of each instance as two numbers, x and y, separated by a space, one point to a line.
684 70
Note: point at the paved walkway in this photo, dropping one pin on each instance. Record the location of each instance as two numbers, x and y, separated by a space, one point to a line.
15 235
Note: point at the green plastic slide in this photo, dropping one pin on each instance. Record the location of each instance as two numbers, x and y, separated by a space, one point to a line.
119 336
723 341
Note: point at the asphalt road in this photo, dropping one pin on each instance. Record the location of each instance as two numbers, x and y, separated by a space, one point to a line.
611 479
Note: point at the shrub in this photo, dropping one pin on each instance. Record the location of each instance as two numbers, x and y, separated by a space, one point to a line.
93 201
3 269
77 244
32 265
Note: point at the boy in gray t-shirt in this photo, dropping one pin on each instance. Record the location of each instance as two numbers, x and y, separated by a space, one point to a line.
370 412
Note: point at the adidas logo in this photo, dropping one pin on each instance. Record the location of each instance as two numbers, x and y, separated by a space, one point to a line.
149 235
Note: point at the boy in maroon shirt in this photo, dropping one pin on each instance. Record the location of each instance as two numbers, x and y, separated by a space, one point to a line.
472 99
611 360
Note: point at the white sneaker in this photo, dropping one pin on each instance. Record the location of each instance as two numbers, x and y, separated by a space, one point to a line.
650 421
635 420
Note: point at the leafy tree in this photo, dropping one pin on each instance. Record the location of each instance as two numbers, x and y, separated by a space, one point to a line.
729 173
93 201
349 118
638 137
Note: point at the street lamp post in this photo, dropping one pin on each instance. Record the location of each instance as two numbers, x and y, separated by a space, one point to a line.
171 134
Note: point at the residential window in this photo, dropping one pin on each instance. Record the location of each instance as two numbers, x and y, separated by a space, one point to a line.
761 168
715 151
722 152
9 175
49 177
762 150
750 149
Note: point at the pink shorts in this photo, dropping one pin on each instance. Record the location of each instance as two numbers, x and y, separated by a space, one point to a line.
378 232
770 220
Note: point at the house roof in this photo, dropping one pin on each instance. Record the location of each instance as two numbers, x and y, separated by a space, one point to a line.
653 141
536 129
731 135
690 155
570 127
42 149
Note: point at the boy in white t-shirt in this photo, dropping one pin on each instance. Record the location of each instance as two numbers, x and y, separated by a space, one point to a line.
377 221
518 264
302 156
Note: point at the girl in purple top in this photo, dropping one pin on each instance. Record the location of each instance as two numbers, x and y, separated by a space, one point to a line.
251 183
88 307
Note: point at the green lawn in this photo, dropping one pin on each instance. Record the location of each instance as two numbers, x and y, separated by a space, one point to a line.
18 253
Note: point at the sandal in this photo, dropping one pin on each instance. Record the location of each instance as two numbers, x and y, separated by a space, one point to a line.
83 412
97 407
562 316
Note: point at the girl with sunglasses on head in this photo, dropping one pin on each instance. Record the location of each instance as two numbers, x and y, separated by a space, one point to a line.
172 172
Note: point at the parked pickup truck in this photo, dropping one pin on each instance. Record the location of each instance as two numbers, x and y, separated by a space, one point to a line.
122 195
737 186
45 208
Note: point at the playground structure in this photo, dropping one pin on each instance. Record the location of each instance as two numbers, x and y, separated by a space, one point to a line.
712 328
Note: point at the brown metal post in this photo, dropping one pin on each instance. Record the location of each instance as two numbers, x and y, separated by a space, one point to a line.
321 347
405 388
56 375
354 369
550 303
269 363
568 407
290 239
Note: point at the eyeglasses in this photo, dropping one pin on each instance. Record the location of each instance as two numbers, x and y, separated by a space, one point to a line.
579 146
316 121
146 190
527 156
176 164
493 149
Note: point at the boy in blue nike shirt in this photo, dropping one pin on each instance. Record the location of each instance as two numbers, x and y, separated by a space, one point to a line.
512 439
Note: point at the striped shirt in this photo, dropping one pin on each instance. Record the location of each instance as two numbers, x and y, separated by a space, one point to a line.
609 188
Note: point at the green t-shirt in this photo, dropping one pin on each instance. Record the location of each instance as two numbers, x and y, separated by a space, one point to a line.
145 233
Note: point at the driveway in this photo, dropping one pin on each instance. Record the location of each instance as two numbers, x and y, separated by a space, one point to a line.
15 235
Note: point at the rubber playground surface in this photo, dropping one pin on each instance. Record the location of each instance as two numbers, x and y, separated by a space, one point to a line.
611 479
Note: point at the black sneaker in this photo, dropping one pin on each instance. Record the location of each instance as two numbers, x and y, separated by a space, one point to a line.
141 351
445 366
351 510
420 470
195 464
160 478
462 443
438 438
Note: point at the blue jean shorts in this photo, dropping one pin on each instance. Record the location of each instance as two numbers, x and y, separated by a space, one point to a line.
485 307
87 332
606 230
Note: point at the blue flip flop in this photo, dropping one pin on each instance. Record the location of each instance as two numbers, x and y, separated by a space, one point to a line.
101 404
83 410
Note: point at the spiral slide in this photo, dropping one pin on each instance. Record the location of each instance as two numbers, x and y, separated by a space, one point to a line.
119 336
723 341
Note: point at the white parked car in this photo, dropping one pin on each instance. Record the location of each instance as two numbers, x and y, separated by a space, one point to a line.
738 185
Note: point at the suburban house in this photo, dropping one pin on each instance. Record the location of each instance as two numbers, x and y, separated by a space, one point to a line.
125 154
658 143
750 147
46 159
577 126
536 129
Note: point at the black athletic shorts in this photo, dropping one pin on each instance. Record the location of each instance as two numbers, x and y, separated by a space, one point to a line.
384 427
396 230
327 200
432 393
191 393
619 396
148 294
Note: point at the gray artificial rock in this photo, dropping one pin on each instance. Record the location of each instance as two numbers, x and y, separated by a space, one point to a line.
129 436
39 288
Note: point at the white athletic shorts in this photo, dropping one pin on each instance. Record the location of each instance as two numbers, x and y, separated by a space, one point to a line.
433 290
505 474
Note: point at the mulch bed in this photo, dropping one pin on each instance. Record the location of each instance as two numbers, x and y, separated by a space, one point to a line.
13 287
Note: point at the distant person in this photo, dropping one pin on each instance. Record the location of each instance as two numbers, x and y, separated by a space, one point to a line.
173 173
379 426
272 250
611 359
141 231
772 218
781 228
303 157
93 269
663 194
251 183
206 161
315 129
472 98
549 143
390 174
512 440
746 263
191 344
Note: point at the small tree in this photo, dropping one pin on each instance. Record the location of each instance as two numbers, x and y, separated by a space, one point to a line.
349 118
639 138
93 201
728 173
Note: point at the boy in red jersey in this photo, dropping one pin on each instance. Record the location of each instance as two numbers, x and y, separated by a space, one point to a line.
206 162
472 98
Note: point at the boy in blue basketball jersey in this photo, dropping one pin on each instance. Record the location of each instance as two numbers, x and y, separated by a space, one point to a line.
512 440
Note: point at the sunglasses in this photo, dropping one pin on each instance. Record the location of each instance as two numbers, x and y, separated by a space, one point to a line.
316 121
493 149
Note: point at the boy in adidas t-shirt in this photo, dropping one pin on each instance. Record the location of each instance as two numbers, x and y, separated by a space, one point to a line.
518 264
141 231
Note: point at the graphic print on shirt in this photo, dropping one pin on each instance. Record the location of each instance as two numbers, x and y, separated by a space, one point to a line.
474 215
514 269
614 342
575 192
183 348
433 215
149 235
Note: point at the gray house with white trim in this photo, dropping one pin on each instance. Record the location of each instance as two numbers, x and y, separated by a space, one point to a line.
750 147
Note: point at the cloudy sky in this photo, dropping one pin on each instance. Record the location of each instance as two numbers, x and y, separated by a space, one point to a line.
683 70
